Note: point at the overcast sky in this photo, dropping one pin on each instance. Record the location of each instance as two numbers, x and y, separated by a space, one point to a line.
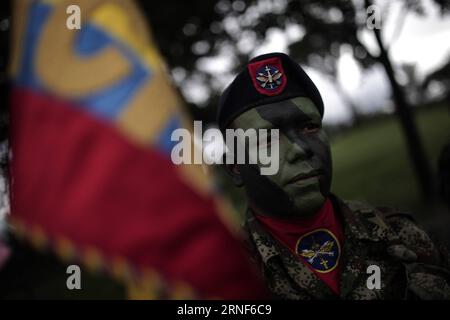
424 41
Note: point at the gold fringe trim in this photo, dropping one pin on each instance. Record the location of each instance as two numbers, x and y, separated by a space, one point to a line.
140 283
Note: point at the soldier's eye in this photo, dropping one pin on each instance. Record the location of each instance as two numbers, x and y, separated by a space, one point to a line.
310 128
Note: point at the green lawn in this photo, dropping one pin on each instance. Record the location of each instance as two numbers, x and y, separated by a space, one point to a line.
371 162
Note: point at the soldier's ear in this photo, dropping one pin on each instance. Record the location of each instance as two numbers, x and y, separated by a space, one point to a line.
233 171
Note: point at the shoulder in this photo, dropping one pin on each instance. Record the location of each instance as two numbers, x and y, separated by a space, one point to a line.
428 248
401 231
401 223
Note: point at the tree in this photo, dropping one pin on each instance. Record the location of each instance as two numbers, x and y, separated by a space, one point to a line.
403 111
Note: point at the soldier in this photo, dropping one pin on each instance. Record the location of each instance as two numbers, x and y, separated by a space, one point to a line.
309 243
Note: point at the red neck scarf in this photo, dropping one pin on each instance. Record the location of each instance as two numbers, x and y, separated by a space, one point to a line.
316 241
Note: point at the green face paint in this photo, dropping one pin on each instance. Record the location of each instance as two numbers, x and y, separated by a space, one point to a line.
303 180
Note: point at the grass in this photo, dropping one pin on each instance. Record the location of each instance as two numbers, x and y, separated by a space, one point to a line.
371 162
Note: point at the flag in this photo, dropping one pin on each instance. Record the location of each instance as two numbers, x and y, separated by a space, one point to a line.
92 113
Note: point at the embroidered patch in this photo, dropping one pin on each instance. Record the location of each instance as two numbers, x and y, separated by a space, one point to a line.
320 248
268 76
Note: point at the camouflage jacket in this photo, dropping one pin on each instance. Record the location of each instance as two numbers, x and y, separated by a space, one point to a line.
411 264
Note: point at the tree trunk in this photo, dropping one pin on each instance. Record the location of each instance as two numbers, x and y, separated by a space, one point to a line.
403 111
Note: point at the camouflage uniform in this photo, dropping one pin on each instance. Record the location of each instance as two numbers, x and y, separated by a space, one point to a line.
412 266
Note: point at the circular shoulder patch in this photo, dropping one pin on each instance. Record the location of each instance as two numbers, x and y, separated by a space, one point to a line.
320 249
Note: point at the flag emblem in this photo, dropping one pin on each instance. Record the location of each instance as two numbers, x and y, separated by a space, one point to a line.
268 76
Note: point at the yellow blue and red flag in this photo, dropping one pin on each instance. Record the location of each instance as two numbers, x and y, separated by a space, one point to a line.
91 116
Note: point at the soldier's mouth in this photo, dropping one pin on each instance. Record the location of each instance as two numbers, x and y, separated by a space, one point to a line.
304 176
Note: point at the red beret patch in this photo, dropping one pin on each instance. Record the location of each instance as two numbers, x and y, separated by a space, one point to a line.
268 76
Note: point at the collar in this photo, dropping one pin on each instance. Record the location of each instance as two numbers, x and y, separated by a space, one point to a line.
361 223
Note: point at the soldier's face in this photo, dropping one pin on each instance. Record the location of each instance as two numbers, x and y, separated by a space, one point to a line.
303 180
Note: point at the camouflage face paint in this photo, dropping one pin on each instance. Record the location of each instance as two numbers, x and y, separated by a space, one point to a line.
303 181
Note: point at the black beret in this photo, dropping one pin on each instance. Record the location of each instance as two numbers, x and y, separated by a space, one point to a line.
266 79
